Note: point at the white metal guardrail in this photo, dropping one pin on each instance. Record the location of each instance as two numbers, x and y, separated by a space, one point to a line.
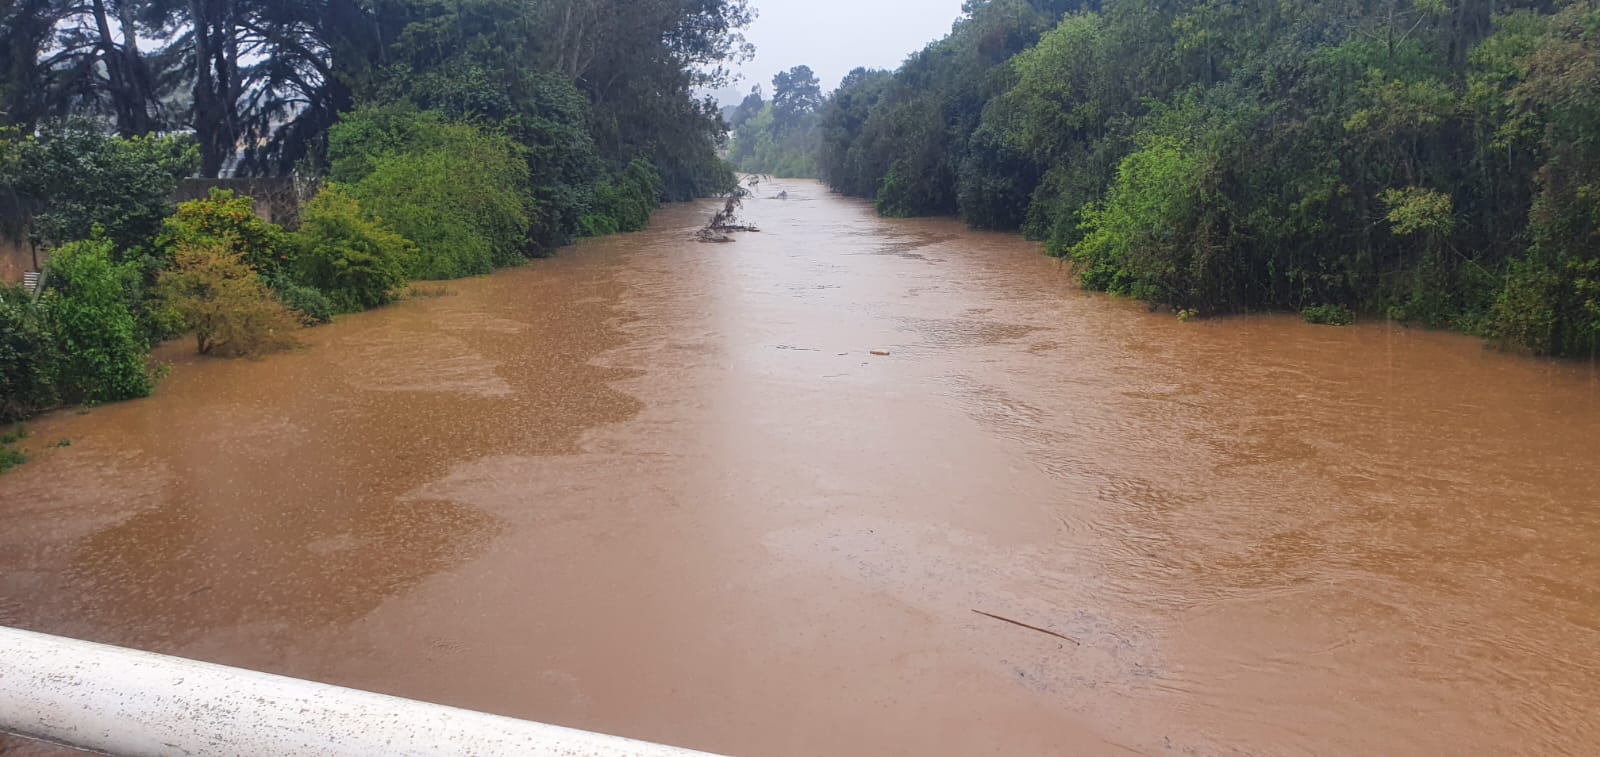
126 702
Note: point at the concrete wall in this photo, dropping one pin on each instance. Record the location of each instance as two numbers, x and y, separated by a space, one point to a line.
16 258
277 198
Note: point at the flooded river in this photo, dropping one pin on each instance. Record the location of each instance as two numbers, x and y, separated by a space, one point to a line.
662 489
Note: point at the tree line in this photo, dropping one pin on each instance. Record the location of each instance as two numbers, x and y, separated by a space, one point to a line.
1429 162
259 82
780 137
444 138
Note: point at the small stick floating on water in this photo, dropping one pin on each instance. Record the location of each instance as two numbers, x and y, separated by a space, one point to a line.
1031 628
881 353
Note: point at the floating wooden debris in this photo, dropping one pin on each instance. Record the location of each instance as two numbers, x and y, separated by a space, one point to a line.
1030 628
722 223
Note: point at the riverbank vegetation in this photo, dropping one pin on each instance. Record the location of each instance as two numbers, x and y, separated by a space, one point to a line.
1434 163
429 139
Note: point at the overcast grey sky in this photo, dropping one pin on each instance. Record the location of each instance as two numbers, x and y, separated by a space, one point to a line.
835 36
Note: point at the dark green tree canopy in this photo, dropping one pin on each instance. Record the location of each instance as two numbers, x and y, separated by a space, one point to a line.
1425 161
795 92
75 182
260 82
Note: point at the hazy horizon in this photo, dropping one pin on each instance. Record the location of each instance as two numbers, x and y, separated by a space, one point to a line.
834 37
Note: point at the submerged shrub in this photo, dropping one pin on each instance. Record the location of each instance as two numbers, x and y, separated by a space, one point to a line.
1550 309
347 254
227 305
313 306
595 225
9 456
1328 315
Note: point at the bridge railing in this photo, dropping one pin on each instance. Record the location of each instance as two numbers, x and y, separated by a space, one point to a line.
126 702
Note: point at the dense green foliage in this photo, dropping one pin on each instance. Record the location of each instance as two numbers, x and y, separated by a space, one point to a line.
29 359
1329 315
779 138
578 78
1438 164
347 254
72 180
102 352
624 202
229 221
457 191
563 161
314 307
845 160
224 302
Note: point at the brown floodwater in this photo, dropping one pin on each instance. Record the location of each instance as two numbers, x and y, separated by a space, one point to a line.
662 489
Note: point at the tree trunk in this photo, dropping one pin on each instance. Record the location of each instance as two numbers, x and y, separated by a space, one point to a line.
136 72
116 70
215 122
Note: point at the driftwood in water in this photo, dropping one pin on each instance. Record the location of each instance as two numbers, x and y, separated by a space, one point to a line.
722 223
1025 625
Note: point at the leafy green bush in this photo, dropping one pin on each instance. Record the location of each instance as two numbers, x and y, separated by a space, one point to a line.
624 202
102 354
1419 211
1130 245
996 180
29 360
456 191
595 225
348 254
312 305
363 136
229 220
1551 309
1328 315
460 222
224 302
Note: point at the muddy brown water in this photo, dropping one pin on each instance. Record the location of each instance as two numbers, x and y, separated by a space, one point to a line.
662 489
